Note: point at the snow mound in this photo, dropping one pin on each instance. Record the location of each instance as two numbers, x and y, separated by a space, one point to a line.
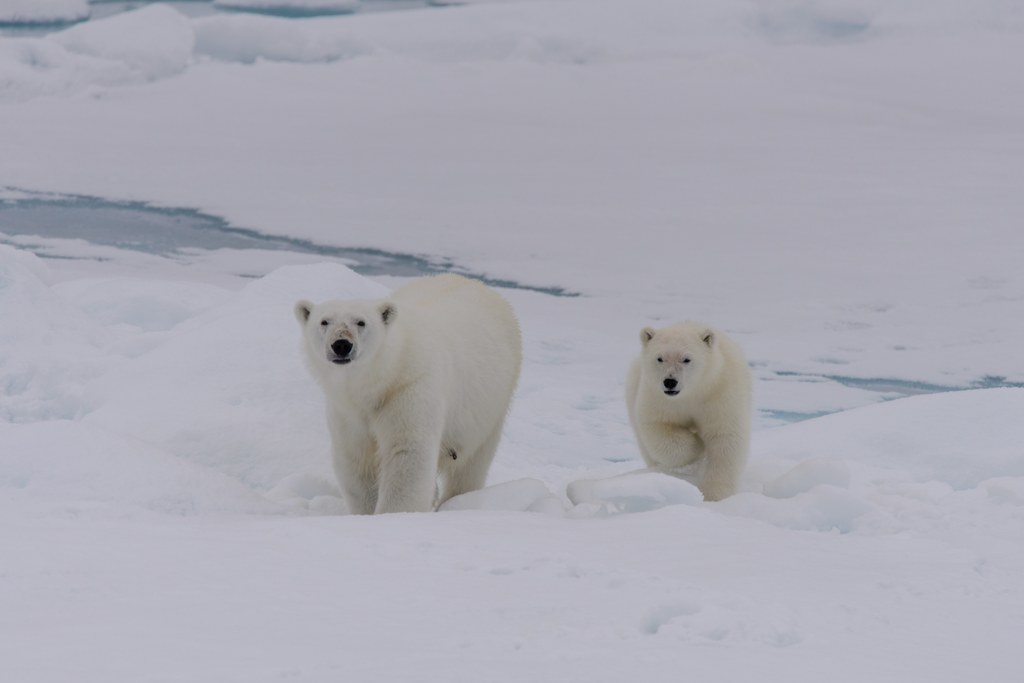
107 469
246 39
632 492
144 305
806 476
960 438
1005 490
315 493
246 381
43 11
823 508
317 282
48 348
202 375
521 495
30 67
153 42
291 8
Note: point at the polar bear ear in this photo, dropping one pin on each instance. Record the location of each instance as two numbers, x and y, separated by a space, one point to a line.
302 311
388 312
646 335
708 338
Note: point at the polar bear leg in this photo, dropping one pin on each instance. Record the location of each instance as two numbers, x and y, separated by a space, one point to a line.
667 446
408 474
726 455
352 457
407 431
461 477
359 489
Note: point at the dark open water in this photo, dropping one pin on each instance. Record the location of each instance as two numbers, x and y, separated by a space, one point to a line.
180 232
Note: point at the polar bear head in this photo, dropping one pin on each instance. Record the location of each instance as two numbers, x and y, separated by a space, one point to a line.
678 358
342 332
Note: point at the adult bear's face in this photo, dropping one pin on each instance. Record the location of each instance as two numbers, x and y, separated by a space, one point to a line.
342 332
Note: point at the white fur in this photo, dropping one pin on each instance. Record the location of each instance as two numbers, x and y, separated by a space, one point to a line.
708 422
425 392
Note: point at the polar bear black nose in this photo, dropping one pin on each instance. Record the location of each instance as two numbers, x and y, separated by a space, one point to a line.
341 347
670 383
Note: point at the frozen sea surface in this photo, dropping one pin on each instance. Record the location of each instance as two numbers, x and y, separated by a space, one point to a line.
40 17
67 227
42 13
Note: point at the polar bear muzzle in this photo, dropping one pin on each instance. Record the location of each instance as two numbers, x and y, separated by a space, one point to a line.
342 352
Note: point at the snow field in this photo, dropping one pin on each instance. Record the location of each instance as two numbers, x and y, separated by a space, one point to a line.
165 454
834 182
741 179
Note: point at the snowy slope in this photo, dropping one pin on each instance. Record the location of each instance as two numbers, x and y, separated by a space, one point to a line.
170 515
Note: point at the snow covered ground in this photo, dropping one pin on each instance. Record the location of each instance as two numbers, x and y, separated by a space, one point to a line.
17 12
835 182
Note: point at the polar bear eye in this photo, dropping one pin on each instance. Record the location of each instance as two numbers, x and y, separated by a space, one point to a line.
686 361
660 359
361 323
324 322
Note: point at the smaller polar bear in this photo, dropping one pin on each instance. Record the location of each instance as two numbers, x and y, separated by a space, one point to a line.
416 385
688 395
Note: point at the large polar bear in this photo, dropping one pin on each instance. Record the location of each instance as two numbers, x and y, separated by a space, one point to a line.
688 395
416 385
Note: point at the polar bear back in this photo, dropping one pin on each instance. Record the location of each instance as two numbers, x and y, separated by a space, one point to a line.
469 336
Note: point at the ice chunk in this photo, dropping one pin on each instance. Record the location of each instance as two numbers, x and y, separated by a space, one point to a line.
43 11
154 42
34 66
634 492
247 38
315 493
521 495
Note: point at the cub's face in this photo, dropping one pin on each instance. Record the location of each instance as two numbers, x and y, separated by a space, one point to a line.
673 359
344 332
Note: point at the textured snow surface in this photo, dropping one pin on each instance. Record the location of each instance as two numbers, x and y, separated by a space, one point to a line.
166 493
835 183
